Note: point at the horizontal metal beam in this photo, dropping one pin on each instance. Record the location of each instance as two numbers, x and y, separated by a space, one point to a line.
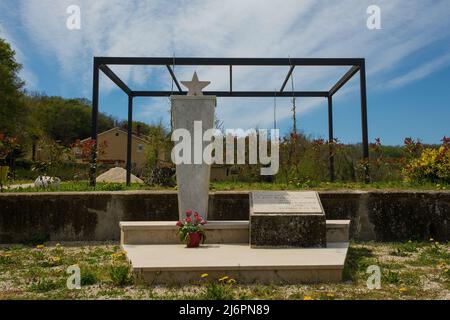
345 78
287 78
229 61
114 78
242 94
172 74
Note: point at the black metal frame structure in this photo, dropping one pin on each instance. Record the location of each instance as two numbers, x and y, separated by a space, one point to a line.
356 65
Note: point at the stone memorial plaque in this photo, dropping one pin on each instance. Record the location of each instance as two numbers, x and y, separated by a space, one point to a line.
299 202
286 219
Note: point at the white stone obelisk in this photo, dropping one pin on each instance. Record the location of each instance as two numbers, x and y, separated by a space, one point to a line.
193 112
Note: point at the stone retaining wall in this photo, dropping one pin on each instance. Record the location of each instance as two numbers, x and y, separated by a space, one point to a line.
95 216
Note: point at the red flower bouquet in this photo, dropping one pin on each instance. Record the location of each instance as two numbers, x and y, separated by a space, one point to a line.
190 230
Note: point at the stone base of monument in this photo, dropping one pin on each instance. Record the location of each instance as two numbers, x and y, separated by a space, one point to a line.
157 257
287 219
287 230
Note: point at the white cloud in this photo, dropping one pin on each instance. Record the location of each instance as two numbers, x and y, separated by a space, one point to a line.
420 72
231 28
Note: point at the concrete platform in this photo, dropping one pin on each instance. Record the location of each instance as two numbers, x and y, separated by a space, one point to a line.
176 264
164 232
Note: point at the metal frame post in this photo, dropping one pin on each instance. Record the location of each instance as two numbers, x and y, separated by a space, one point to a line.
129 138
365 135
95 84
331 138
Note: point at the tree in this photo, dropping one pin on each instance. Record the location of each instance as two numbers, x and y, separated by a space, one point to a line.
12 112
64 120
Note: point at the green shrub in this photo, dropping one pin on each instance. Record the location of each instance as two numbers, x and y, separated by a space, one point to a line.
215 291
222 289
392 277
88 277
44 285
111 187
405 249
120 274
433 254
6 258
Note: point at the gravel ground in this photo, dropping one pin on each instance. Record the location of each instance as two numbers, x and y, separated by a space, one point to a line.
411 270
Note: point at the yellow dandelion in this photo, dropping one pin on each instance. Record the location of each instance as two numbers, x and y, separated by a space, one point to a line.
223 278
40 246
204 275
330 294
402 290
55 259
231 281
308 298
118 255
446 270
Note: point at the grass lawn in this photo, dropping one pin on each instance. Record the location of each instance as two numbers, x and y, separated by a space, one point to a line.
242 186
411 270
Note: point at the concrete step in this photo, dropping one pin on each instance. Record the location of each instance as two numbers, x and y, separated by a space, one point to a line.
164 232
338 230
176 264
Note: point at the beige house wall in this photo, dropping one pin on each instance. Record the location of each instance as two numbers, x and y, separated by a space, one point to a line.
116 148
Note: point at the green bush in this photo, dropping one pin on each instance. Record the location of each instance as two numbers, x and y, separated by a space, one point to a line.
392 277
44 285
220 289
405 249
6 258
88 277
120 274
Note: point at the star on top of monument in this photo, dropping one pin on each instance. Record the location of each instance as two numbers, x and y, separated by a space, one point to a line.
195 86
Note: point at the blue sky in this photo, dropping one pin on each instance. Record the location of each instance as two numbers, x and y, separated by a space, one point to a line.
408 59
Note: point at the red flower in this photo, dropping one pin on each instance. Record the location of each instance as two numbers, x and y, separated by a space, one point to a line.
203 222
188 213
188 220
179 224
195 214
